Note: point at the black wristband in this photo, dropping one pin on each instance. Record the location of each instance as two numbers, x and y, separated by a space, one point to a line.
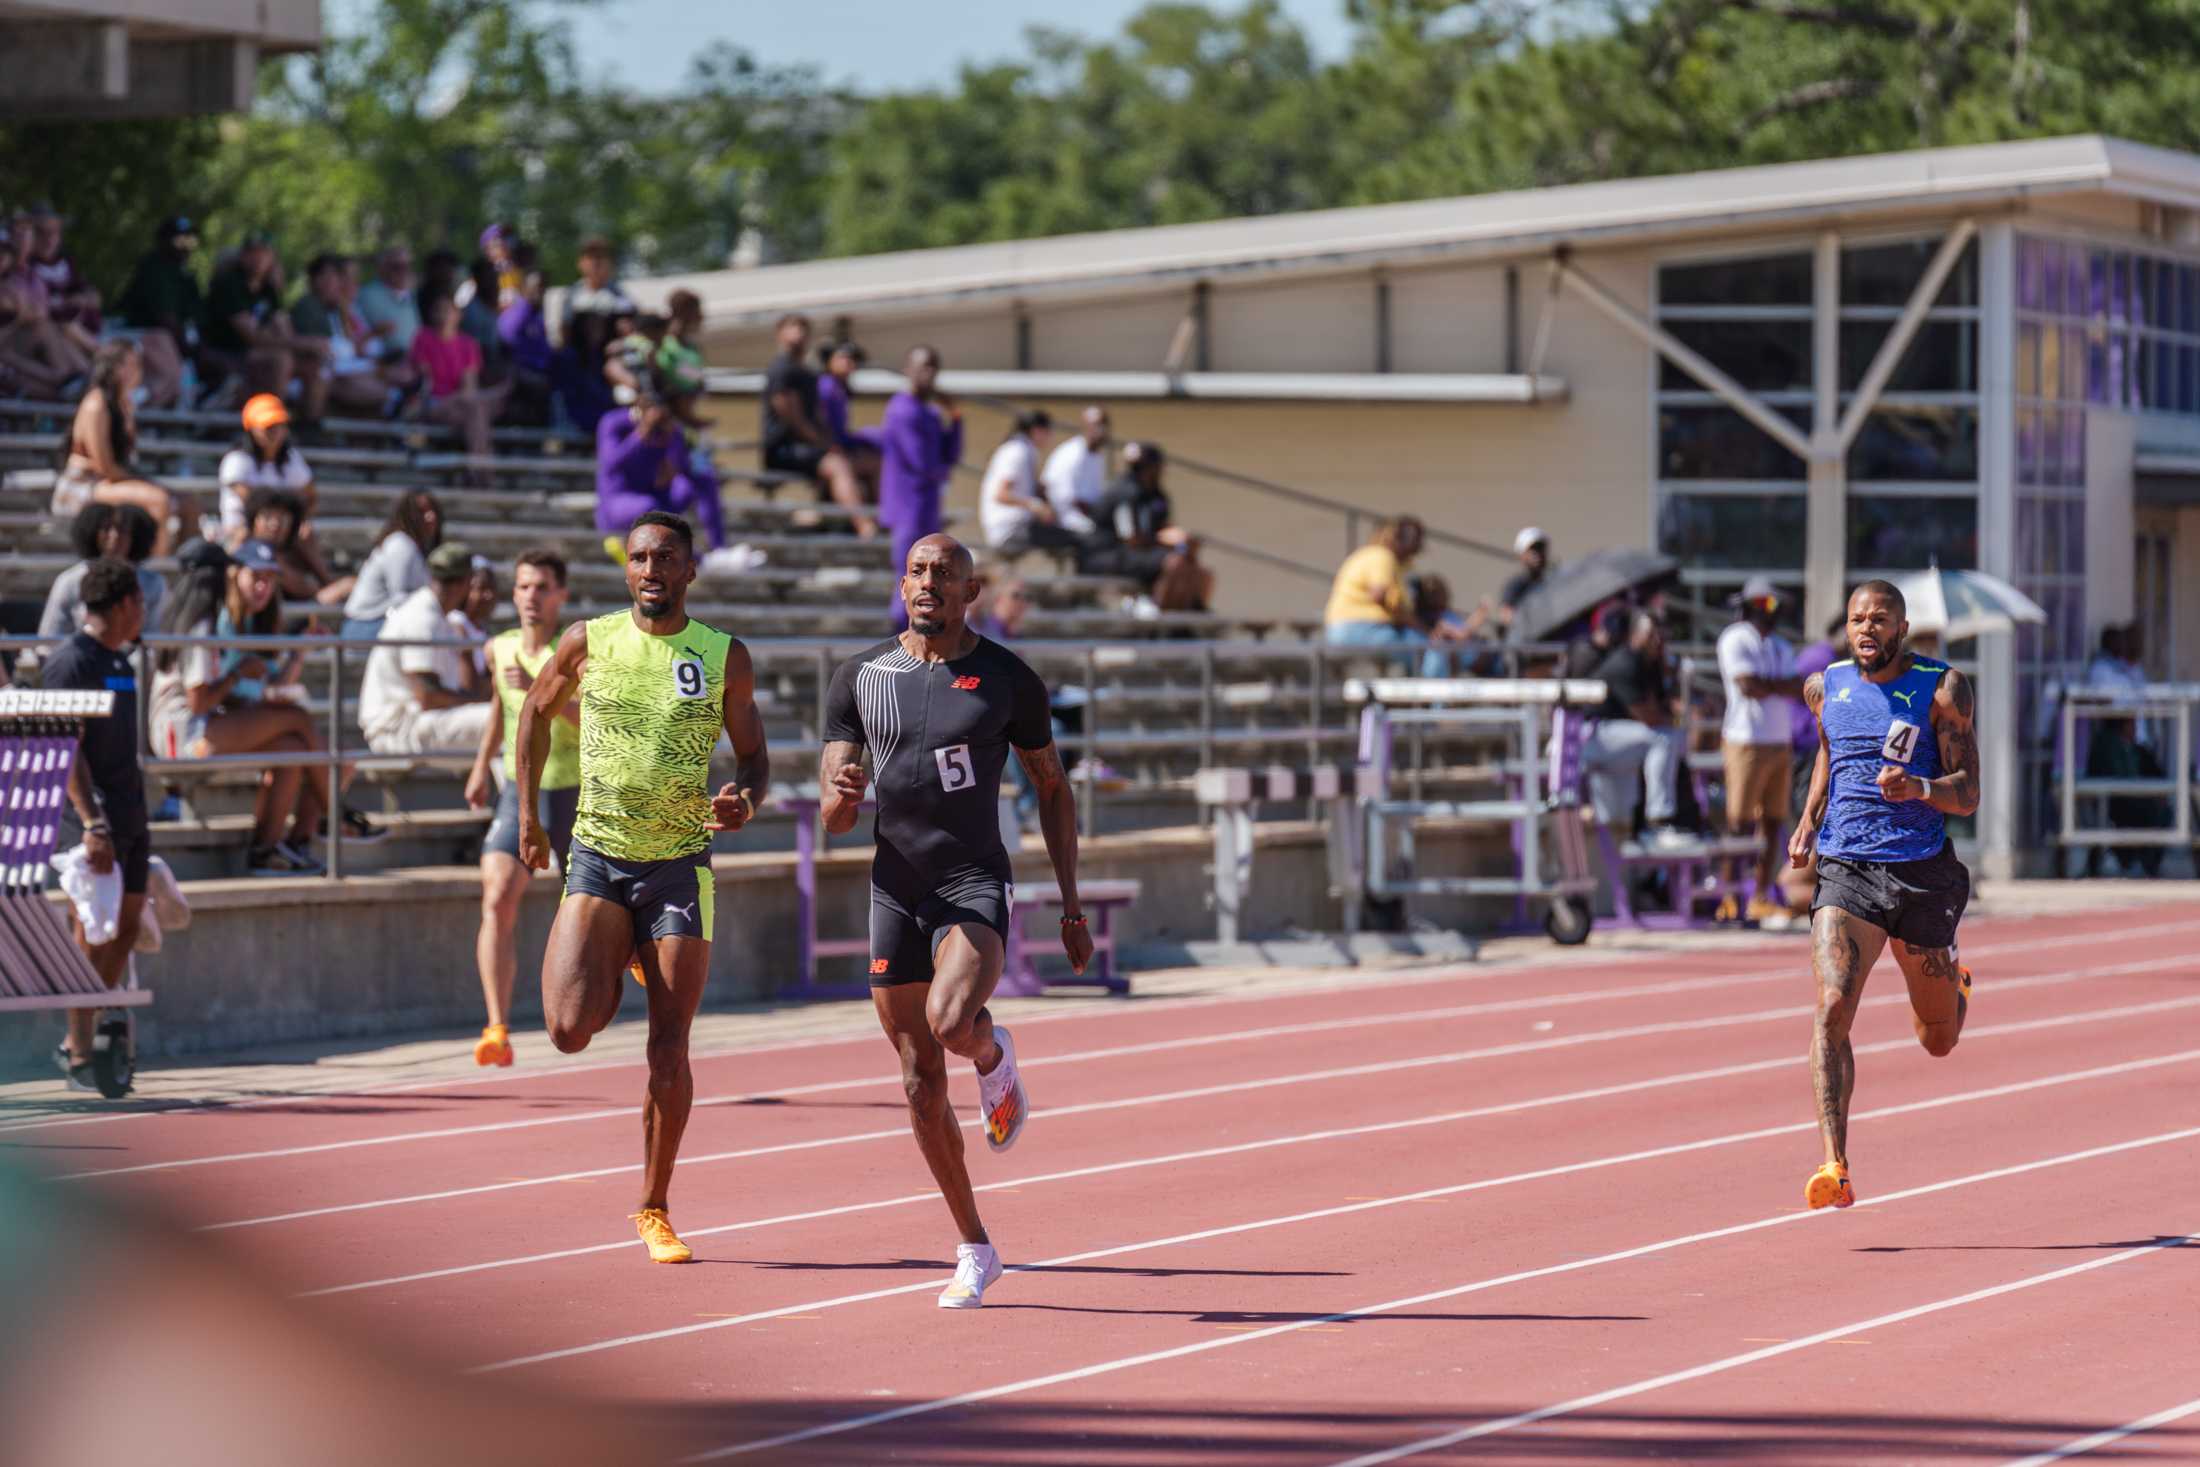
99 827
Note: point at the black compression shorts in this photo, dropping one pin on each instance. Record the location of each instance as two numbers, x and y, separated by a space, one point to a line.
665 898
907 928
1915 902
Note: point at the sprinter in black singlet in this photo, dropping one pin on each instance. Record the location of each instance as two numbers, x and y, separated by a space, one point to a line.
938 709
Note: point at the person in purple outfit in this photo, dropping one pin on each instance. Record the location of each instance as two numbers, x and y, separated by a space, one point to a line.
922 442
642 464
840 359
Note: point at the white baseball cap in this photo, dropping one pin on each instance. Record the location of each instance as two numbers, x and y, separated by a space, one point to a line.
1530 536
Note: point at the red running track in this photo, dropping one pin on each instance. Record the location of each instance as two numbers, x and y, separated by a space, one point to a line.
1545 1214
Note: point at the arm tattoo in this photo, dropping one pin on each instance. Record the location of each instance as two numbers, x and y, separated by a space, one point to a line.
1044 765
1956 792
1814 692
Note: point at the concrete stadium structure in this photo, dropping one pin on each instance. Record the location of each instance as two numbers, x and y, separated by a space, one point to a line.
1988 356
125 58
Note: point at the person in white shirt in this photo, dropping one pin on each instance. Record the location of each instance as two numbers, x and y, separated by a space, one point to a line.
1012 510
1076 475
419 700
266 459
397 566
1757 667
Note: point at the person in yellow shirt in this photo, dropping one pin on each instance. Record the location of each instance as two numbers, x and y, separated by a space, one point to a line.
1370 604
515 658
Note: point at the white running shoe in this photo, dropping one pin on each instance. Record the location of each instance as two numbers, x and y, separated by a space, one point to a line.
976 1265
1001 1094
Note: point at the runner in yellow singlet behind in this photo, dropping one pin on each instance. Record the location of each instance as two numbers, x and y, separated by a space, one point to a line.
656 688
515 657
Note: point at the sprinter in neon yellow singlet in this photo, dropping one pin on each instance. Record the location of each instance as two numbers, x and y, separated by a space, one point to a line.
656 688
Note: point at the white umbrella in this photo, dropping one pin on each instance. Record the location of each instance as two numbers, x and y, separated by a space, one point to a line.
1960 604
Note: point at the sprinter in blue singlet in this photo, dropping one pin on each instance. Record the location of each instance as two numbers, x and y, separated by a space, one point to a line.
1897 755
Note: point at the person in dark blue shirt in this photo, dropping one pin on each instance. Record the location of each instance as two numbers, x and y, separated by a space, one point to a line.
1897 755
106 787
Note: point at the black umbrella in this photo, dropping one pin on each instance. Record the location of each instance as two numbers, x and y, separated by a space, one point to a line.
1578 587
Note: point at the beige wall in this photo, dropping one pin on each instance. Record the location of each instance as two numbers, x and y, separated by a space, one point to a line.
1454 320
2182 526
1298 326
1130 335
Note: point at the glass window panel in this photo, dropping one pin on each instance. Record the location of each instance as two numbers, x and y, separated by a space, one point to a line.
1767 280
2143 308
2073 625
2031 273
1916 443
2028 359
2028 446
2051 447
1764 356
2073 364
1755 531
1719 443
2096 366
1884 275
2119 287
2055 294
2096 284
2074 449
2073 539
2161 375
2051 356
2188 379
1887 533
2188 299
1942 357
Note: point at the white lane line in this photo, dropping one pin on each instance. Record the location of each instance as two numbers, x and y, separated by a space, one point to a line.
1518 1047
1338 1133
1361 979
1232 1341
1342 1210
2109 1438
1752 1357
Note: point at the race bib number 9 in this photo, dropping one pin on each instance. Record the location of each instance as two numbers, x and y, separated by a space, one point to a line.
955 770
689 680
1901 742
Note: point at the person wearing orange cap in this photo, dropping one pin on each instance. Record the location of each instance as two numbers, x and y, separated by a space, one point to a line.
266 458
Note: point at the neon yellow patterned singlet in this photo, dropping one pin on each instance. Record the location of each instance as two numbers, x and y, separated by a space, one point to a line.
562 770
651 712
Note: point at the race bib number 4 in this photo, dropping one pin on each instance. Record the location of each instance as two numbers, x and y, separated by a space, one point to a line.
955 770
1901 742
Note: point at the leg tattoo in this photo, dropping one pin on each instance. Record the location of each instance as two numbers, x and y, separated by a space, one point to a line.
1838 960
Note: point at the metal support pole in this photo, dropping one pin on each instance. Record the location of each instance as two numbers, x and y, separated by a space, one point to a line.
822 663
335 759
1233 868
1315 672
1512 319
1382 322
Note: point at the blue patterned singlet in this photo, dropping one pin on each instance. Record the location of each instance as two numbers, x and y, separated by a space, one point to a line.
1868 726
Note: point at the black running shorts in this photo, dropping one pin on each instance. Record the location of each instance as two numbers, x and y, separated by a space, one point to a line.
907 929
1915 902
666 898
554 808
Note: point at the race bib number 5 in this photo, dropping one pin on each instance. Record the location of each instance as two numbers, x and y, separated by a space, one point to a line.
955 770
1901 742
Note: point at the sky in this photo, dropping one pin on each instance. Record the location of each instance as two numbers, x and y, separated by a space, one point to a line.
871 45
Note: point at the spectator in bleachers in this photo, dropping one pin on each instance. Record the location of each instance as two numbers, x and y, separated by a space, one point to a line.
209 699
498 248
71 299
102 444
795 439
835 399
1457 644
1076 473
587 328
1608 629
265 458
477 316
634 356
643 463
1370 603
471 623
923 441
1012 509
246 336
1533 548
1135 535
389 304
160 309
415 699
397 566
102 532
524 332
1757 667
279 518
2123 748
1636 748
34 348
450 366
361 376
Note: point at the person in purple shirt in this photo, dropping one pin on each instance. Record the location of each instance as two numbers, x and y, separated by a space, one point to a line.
525 333
840 359
922 442
642 464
